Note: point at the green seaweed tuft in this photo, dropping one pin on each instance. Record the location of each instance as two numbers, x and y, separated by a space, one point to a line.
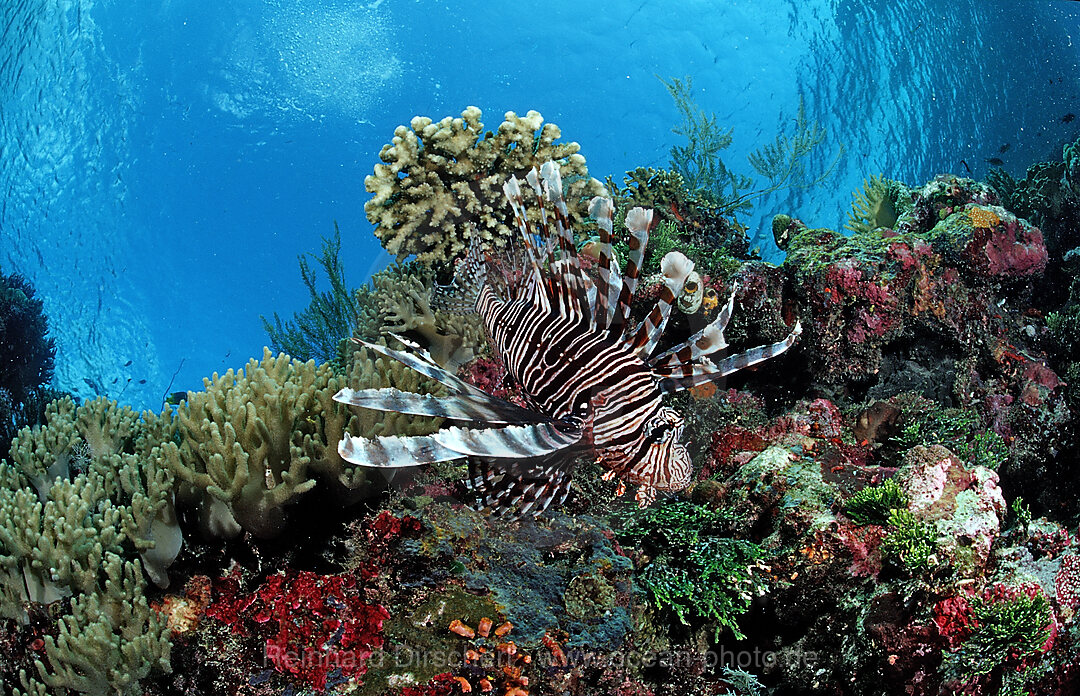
910 543
874 504
693 571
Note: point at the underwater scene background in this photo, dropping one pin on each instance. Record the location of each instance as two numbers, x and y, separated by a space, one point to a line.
872 491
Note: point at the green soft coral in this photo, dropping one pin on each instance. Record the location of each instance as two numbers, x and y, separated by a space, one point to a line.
256 439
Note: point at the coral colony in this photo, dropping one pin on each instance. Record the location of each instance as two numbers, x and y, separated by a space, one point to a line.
887 507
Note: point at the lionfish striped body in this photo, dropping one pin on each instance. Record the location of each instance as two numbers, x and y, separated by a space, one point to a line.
593 386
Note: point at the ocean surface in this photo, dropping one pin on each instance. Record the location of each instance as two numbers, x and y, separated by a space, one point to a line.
163 164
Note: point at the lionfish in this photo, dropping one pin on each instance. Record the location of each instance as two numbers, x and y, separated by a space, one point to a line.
592 385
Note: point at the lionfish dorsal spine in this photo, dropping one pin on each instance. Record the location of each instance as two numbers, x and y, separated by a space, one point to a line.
609 286
566 280
686 376
534 283
705 342
676 269
638 222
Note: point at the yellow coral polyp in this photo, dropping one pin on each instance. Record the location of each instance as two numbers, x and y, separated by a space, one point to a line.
983 217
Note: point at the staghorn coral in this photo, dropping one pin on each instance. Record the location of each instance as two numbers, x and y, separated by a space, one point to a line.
441 182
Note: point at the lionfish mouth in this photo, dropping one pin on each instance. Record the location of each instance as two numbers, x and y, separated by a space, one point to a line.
565 336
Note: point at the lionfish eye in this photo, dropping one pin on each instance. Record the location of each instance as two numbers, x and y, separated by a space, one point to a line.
658 433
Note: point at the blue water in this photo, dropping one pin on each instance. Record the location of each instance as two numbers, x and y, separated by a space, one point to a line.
162 167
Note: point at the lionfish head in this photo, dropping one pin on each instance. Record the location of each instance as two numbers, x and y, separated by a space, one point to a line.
665 463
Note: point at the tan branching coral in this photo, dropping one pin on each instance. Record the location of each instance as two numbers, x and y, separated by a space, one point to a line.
442 182
242 443
87 492
404 304
111 639
97 480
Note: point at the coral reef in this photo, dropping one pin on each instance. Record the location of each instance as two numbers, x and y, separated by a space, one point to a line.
892 513
86 496
874 207
440 184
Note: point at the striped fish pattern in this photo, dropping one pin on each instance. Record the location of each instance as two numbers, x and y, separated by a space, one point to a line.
592 384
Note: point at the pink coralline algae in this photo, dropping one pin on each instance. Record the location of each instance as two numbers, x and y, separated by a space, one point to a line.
965 504
1011 248
863 542
953 618
314 625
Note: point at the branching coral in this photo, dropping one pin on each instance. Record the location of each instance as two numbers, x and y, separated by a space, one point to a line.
400 299
441 183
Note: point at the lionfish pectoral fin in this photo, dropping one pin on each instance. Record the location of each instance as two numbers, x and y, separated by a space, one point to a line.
511 442
521 487
394 452
463 407
422 363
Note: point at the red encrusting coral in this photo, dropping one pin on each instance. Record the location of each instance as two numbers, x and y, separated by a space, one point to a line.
314 625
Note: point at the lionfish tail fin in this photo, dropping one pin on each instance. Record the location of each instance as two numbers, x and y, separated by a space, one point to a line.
518 489
461 294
